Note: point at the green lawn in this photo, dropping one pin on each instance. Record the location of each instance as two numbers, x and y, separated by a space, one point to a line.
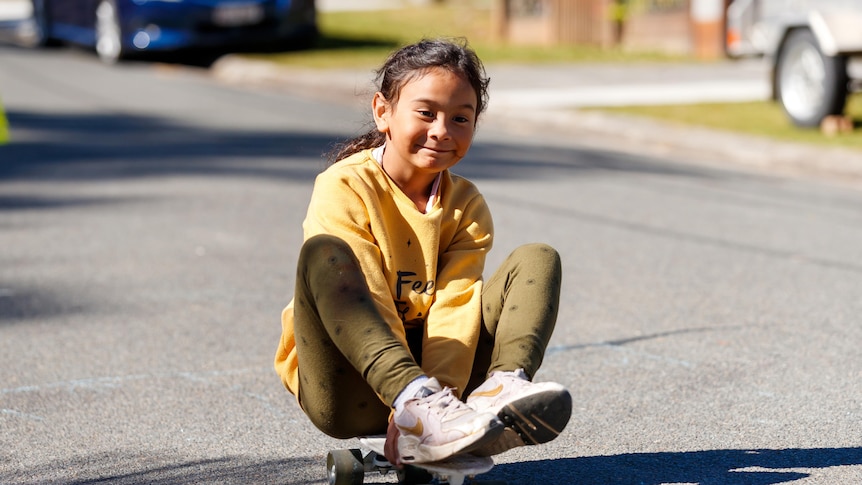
756 118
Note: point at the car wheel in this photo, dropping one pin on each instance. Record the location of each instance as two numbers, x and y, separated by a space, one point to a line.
41 33
810 85
109 34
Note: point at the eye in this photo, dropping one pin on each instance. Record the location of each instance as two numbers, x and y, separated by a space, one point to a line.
426 113
462 119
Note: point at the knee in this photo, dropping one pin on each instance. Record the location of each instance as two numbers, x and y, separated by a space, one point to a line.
324 243
328 269
326 248
539 254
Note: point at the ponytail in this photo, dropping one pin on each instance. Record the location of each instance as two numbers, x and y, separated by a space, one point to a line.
371 139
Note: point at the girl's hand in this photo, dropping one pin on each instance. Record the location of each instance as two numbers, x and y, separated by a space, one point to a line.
390 449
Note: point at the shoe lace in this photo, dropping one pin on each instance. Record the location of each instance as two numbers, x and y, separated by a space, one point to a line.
515 381
445 401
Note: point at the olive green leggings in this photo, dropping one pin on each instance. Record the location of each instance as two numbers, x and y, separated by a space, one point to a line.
349 358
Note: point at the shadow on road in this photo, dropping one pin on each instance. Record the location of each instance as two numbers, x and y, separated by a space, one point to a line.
104 147
713 467
78 147
26 302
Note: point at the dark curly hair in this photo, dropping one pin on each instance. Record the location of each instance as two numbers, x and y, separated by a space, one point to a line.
406 64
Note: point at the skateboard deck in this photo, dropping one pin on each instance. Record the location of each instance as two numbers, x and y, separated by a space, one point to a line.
349 466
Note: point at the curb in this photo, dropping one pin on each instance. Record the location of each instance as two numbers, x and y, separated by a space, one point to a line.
616 132
341 85
690 144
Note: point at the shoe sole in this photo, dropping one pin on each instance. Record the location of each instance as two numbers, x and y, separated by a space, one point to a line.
532 420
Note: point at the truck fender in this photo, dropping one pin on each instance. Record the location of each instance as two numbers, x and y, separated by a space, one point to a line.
836 32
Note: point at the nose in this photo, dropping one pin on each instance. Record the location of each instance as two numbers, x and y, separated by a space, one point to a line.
440 129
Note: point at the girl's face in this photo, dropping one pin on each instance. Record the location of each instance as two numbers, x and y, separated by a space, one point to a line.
430 128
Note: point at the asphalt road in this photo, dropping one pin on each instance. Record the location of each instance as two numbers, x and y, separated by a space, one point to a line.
149 225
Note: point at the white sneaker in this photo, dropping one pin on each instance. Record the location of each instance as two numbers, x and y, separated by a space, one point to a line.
533 412
436 425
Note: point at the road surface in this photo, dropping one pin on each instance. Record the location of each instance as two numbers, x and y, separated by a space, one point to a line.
150 223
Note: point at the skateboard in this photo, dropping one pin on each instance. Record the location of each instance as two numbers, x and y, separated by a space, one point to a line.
349 467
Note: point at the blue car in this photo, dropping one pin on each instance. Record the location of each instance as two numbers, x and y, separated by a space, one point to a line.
121 28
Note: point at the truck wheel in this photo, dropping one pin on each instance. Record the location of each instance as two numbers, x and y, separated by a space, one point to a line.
810 85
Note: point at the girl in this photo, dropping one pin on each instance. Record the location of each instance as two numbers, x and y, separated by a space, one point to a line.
391 322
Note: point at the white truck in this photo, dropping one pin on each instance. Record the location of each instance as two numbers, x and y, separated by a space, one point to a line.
814 47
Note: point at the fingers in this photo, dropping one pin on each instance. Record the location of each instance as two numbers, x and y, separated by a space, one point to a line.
390 449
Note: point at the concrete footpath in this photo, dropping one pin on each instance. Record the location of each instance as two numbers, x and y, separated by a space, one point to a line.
550 101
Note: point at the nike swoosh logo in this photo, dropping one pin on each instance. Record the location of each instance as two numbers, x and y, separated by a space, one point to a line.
490 393
416 430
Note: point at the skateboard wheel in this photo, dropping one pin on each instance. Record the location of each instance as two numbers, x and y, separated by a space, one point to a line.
411 475
345 467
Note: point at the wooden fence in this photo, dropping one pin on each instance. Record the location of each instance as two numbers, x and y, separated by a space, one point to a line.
662 25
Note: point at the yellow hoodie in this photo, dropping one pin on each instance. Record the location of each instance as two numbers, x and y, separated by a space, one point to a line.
423 269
